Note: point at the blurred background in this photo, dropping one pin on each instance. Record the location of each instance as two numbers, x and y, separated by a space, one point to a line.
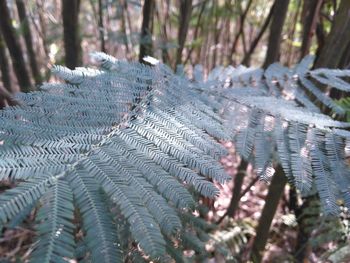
35 34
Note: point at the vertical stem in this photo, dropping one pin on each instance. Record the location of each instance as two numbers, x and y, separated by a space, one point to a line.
101 28
14 48
240 31
310 14
4 66
276 27
70 15
246 59
27 34
146 30
185 15
333 49
278 182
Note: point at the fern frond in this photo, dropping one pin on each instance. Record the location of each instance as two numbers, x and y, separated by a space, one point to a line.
332 77
245 137
164 214
15 200
283 148
166 184
340 173
143 226
300 162
55 225
101 232
170 164
320 165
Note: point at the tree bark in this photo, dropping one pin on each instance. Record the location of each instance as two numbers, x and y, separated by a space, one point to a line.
27 34
276 27
196 30
236 191
72 48
4 66
278 182
246 59
310 15
333 53
240 31
185 16
338 39
6 98
101 28
146 30
14 48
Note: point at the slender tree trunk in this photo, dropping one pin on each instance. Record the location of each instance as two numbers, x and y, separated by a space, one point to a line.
236 191
276 27
14 48
42 30
4 66
292 33
338 39
246 59
146 30
216 34
185 15
310 15
70 15
331 55
196 30
27 34
240 31
6 98
276 188
123 26
345 61
101 28
304 216
163 33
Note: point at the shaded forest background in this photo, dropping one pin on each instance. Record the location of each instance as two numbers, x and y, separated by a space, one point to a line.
35 34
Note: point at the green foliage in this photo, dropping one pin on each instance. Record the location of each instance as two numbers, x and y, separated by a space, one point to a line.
232 237
125 149
345 104
127 134
273 119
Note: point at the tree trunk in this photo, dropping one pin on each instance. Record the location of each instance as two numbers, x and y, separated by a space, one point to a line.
14 48
276 188
331 55
304 216
4 66
310 15
185 15
276 27
196 30
123 26
42 30
27 34
101 28
246 59
338 39
72 48
240 31
6 98
146 30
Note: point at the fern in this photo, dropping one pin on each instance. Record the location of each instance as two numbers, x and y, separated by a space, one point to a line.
125 149
274 119
110 130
